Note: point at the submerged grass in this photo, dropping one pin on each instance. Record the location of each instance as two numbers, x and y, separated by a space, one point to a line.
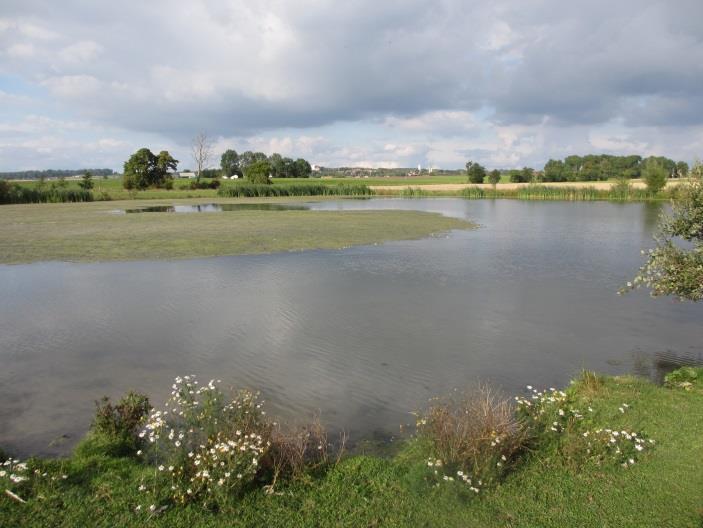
548 488
93 232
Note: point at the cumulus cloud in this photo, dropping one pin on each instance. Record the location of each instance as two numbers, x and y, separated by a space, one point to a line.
437 80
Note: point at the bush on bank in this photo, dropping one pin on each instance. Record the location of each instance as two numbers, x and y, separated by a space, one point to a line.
529 459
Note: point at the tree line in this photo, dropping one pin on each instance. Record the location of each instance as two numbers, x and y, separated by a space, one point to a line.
145 169
52 173
584 168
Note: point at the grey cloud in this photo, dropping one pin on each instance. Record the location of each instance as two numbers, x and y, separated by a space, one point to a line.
236 68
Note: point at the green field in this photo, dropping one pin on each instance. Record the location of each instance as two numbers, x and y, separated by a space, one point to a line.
547 489
92 232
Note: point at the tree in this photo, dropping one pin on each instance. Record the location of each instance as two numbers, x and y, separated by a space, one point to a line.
143 169
475 172
249 157
229 163
202 151
654 175
494 177
258 172
554 171
86 182
277 166
528 174
681 169
670 268
301 168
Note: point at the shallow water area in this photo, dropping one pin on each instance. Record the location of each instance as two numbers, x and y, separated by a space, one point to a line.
213 208
362 335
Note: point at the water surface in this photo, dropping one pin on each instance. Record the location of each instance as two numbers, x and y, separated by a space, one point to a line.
363 335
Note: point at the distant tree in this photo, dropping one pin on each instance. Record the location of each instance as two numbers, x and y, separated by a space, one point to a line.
229 163
670 268
143 169
654 175
277 168
681 169
554 171
249 157
86 182
494 177
475 172
202 151
258 172
302 168
528 174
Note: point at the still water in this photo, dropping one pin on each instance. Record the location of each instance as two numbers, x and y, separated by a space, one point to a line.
362 335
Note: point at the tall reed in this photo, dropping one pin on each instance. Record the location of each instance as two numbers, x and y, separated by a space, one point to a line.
247 190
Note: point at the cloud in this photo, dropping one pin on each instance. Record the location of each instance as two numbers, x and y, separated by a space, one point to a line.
499 80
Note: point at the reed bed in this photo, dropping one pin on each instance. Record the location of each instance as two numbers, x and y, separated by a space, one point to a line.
246 190
18 194
545 192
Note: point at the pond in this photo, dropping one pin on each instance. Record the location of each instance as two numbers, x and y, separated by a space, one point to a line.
363 335
214 208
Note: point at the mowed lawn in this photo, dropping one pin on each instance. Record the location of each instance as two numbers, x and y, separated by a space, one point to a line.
95 232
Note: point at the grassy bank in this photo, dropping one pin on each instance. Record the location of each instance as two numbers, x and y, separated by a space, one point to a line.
92 232
452 186
553 482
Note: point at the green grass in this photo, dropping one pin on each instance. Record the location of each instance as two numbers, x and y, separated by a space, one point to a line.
90 232
662 490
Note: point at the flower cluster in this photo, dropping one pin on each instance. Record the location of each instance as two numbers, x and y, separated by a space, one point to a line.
203 445
623 447
14 471
19 480
549 410
461 476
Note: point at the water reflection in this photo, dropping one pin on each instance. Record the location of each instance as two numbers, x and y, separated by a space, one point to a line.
362 335
216 208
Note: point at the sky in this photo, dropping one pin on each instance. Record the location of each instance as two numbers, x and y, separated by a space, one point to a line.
392 83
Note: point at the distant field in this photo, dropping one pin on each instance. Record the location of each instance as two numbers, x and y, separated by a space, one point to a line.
93 232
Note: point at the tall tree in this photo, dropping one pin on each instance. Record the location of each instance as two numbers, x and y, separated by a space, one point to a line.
302 168
229 163
143 169
202 151
681 169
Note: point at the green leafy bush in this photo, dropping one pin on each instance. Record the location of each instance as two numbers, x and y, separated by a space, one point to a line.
121 422
683 378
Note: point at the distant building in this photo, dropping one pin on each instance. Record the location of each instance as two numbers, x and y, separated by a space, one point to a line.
316 168
187 174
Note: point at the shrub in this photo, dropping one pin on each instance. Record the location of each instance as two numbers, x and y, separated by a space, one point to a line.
683 378
621 189
122 421
295 450
555 417
204 445
204 184
474 437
